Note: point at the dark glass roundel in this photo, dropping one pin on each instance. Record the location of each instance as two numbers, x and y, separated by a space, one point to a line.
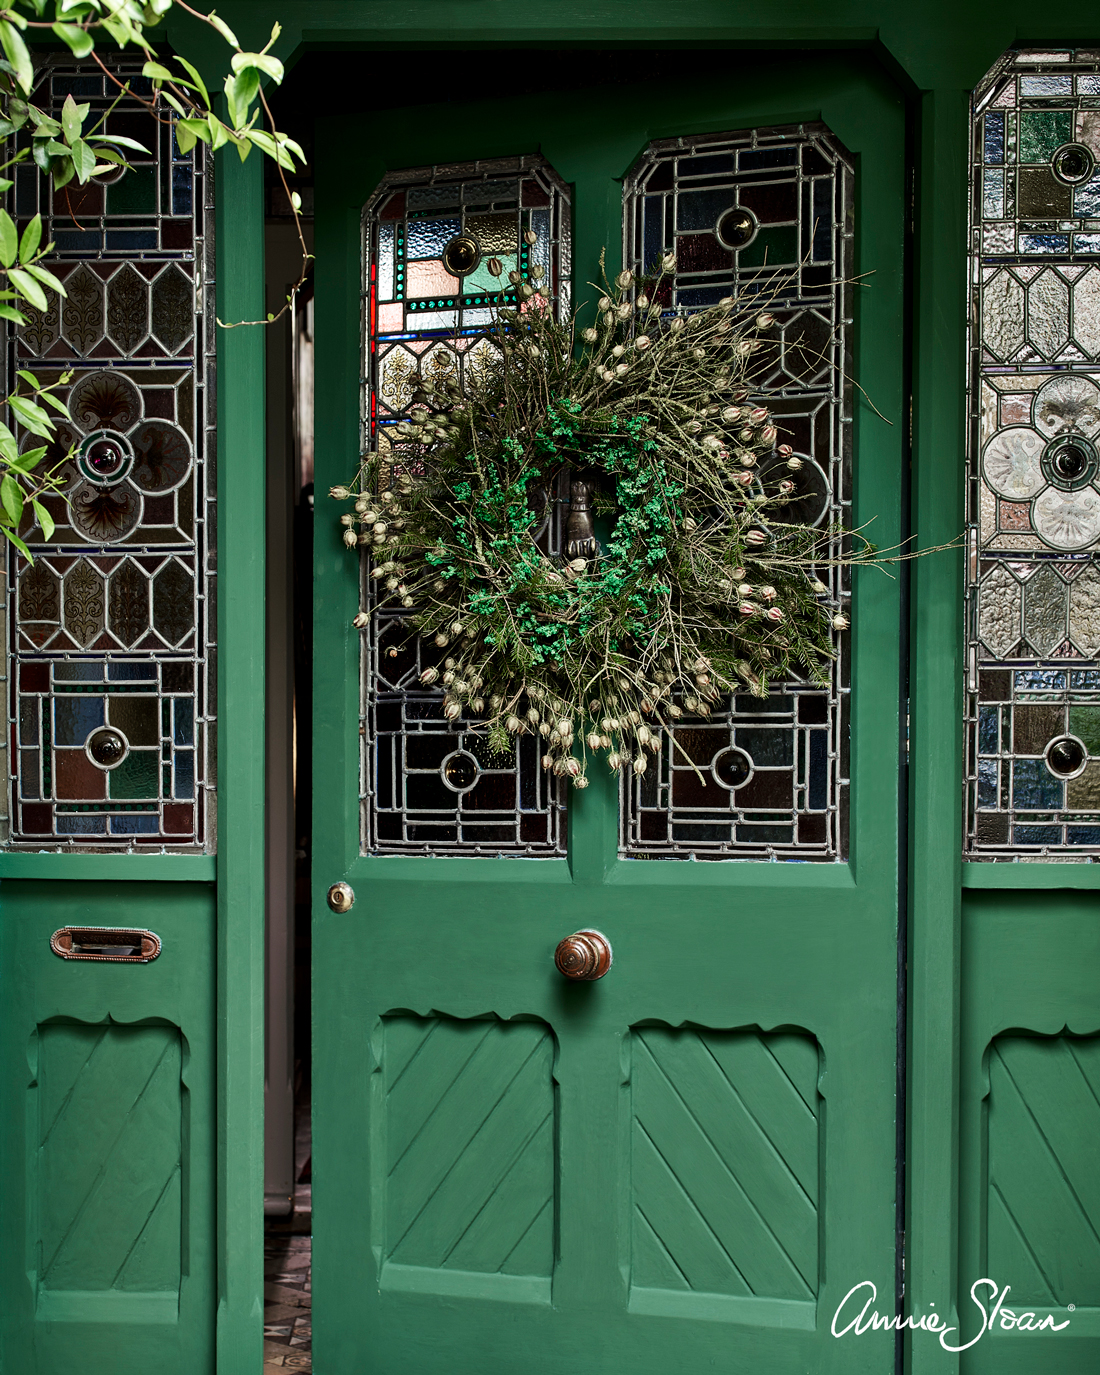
1070 461
1066 757
736 228
461 255
107 747
732 768
105 458
460 771
1073 163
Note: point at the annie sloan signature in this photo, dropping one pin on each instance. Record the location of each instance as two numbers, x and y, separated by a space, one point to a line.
860 1321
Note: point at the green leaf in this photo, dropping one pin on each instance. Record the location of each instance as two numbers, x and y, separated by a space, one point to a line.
32 417
267 144
7 313
223 28
32 237
42 122
79 42
63 172
70 120
84 160
240 92
188 131
46 277
270 66
192 72
45 520
11 498
16 52
27 461
5 184
9 239
157 72
119 141
28 377
175 104
59 406
14 539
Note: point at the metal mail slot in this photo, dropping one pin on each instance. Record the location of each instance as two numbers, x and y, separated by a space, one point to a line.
121 945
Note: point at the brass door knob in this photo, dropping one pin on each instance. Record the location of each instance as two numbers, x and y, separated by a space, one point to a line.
341 897
586 955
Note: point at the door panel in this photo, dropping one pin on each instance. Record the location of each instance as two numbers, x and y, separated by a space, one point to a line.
516 1172
109 1087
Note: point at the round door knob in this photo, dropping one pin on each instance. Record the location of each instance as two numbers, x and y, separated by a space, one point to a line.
341 897
586 955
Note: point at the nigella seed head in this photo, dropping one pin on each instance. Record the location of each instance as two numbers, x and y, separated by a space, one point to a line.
351 539
339 493
840 621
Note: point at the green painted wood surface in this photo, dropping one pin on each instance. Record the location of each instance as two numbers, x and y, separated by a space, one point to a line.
1030 1086
723 1114
107 1138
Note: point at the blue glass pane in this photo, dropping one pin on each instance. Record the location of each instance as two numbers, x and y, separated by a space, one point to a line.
184 727
819 770
1033 785
995 137
130 239
75 717
1083 835
987 730
82 824
76 240
765 746
1086 678
181 189
823 220
78 672
1037 835
1033 679
987 783
1044 243
428 238
185 774
761 158
131 672
701 209
135 823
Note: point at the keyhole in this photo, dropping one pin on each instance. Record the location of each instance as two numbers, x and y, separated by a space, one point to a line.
1066 757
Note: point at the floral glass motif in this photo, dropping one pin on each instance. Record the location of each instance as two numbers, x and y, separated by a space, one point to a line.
110 653
765 213
430 239
1033 494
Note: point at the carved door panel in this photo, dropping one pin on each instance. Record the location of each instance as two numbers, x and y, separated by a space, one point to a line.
691 1160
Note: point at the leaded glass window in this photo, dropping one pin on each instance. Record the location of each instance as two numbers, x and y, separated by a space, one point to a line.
1033 495
111 661
765 214
429 234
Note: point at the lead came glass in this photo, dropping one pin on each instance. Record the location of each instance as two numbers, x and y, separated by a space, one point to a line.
765 213
1033 495
429 235
111 660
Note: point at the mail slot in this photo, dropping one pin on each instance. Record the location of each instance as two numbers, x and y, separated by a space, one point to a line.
119 944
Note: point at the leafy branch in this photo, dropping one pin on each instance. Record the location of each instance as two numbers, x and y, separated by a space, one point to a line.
75 149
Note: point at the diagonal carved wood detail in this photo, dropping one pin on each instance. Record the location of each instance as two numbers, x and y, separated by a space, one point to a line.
1044 1186
725 1162
469 1144
109 1157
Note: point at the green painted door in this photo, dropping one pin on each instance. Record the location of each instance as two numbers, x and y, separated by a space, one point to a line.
131 1072
688 1163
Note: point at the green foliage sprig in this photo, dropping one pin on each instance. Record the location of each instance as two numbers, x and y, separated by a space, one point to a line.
70 148
699 586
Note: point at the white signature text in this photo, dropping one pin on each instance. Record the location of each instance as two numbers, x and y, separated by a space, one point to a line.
862 1321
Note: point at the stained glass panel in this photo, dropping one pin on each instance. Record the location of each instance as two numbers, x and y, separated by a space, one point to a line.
429 237
111 663
764 213
1033 590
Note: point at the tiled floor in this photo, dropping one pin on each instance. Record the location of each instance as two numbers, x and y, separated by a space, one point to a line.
287 1246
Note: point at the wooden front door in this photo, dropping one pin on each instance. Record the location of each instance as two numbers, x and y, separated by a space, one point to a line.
689 1162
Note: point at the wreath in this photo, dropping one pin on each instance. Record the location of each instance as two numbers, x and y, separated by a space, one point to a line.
591 535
